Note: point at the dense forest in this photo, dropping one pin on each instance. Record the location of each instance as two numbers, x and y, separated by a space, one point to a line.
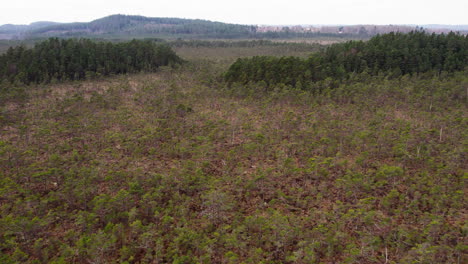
392 54
77 59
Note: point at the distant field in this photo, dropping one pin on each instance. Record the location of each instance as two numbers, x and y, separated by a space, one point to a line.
227 55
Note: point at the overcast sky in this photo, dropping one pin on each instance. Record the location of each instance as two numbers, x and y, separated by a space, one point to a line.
244 11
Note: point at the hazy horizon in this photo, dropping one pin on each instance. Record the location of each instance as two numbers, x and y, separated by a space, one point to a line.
260 24
274 12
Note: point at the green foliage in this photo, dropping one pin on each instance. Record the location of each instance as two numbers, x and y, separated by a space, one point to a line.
393 54
78 59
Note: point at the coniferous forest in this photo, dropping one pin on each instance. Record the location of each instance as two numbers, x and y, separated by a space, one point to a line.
392 54
193 151
72 59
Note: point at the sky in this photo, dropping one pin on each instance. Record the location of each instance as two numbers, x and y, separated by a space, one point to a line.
251 12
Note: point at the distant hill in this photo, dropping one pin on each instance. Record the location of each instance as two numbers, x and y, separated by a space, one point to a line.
137 26
15 28
125 26
10 31
444 28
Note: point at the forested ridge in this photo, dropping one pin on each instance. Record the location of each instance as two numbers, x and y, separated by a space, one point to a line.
124 25
392 54
76 59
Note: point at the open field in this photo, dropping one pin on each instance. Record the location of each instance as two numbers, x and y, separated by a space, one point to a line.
176 167
224 56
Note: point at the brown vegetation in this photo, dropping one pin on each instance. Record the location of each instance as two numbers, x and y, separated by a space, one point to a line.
174 167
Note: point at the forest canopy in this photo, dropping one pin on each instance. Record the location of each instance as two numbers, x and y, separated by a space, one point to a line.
77 59
393 54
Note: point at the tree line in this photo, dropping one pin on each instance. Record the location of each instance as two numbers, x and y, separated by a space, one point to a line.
78 59
196 43
392 54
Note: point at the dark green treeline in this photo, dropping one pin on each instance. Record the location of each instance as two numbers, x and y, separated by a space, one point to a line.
392 54
77 59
